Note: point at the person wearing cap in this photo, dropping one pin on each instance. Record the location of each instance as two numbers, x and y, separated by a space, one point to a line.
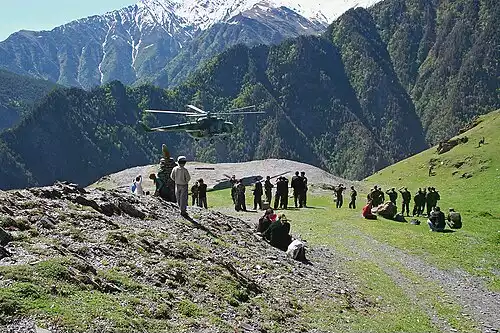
202 193
393 195
180 175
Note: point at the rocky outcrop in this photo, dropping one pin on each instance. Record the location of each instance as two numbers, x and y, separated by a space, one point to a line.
137 255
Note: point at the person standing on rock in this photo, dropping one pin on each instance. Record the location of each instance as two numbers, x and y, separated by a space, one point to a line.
354 194
137 186
257 194
180 175
268 187
202 194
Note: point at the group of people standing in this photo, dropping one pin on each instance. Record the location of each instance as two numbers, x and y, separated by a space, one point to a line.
199 194
298 185
423 198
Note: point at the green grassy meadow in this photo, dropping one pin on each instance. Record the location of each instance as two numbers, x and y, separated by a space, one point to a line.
404 302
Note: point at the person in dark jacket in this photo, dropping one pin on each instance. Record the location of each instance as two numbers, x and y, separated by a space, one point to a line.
257 194
298 187
437 220
354 194
393 195
406 196
202 193
194 194
278 233
233 183
304 190
339 193
268 188
281 199
240 197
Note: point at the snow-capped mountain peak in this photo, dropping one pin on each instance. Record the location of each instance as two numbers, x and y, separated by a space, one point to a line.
204 13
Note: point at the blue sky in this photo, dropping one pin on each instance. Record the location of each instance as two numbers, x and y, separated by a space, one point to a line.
18 15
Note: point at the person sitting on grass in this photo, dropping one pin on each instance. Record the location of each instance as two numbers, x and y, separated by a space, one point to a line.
454 219
278 233
436 220
367 211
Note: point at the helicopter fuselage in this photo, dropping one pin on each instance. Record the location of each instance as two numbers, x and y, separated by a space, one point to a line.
207 127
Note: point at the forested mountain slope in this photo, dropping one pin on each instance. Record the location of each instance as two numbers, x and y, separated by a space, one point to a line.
312 114
447 56
17 96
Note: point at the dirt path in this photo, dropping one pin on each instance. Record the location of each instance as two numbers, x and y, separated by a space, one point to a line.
467 290
422 282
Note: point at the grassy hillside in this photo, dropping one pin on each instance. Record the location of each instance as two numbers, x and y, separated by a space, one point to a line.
475 247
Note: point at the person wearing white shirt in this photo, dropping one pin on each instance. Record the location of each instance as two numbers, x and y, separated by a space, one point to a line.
138 186
180 175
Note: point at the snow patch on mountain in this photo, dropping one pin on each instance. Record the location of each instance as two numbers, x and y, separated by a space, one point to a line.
204 13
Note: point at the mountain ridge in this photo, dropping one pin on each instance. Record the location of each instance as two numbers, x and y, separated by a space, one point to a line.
136 42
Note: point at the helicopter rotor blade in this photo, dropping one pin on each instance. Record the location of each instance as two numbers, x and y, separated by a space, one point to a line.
242 109
192 107
237 113
173 112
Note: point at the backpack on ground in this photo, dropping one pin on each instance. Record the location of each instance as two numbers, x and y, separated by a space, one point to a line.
414 222
296 250
399 218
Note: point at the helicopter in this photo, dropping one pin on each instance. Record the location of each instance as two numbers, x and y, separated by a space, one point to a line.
207 124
